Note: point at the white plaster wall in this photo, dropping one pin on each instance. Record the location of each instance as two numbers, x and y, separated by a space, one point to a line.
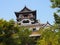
26 23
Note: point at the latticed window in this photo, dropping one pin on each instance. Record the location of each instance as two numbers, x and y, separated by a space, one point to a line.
26 21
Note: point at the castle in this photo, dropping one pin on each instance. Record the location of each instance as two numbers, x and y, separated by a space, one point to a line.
27 18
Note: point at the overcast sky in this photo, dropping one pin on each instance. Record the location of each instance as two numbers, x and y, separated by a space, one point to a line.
43 7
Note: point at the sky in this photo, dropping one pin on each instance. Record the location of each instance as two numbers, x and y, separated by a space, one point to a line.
43 8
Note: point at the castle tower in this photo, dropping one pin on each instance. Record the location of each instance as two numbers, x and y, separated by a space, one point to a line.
26 16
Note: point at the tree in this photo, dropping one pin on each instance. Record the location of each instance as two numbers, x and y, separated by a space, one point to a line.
49 36
23 34
55 3
12 34
7 28
57 18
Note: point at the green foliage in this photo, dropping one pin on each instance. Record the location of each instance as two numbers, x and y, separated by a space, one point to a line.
50 36
12 34
24 36
57 18
55 3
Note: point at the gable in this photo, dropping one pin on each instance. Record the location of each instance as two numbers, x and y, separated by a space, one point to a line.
25 9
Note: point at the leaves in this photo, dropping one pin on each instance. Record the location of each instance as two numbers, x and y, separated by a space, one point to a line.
57 18
12 34
50 36
55 3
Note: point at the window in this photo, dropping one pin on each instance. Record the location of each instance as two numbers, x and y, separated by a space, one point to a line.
25 15
34 29
32 22
26 21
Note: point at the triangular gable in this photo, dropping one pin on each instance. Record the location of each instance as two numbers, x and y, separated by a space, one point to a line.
25 9
47 24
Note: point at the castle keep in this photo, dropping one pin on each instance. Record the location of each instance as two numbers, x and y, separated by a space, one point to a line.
27 18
